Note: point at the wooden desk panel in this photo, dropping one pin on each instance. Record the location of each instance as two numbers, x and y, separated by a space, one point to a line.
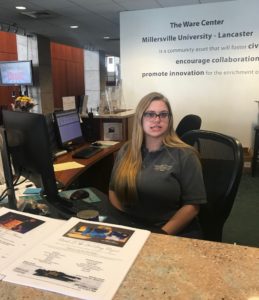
100 163
94 129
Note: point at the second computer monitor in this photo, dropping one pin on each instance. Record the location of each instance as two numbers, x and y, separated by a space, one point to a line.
68 128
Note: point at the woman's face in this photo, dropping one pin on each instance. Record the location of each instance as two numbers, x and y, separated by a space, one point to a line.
156 119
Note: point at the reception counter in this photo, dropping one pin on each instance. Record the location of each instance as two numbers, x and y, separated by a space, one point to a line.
113 126
177 268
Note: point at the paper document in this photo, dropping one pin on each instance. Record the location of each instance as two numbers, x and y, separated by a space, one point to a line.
67 166
107 143
104 144
19 230
69 102
82 259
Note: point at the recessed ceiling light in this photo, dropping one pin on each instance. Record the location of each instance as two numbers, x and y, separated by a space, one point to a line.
106 37
20 7
74 26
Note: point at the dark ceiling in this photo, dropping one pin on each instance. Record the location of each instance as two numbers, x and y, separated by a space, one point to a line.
96 19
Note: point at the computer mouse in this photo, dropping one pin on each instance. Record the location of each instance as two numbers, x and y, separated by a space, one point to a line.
79 194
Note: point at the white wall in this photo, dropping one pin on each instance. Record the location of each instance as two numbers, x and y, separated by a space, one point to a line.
92 78
225 101
27 50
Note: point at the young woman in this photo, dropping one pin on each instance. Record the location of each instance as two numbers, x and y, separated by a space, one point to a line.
157 179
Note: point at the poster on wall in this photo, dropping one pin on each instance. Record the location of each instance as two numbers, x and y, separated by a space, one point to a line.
204 58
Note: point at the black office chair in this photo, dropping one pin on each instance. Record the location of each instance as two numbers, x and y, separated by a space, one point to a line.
222 163
187 123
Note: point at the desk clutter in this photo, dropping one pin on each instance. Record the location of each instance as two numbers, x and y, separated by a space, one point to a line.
32 143
32 201
21 189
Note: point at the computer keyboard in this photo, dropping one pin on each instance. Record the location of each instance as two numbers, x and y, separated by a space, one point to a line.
86 152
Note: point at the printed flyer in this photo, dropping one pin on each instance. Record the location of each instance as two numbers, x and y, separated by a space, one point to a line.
82 259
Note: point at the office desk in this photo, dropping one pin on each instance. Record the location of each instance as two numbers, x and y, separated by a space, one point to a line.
177 268
96 170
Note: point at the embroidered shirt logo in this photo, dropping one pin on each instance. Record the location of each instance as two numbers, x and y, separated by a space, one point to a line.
162 168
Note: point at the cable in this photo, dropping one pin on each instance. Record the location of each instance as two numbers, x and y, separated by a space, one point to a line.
1 199
4 194
15 183
18 183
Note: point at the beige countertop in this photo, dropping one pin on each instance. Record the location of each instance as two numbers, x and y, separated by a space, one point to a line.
177 268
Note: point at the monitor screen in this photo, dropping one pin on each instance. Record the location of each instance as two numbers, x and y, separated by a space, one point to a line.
68 128
16 73
29 149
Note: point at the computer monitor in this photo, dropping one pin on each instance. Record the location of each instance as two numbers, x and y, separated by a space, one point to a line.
81 104
16 73
29 149
68 129
8 175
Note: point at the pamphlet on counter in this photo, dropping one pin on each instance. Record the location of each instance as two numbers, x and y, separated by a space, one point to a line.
82 259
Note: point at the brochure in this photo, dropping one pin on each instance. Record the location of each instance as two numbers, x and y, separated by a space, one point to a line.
18 231
82 259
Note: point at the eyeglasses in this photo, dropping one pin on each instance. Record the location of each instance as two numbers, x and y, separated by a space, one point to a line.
151 115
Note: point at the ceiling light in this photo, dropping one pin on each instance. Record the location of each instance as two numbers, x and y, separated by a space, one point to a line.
106 37
74 26
20 7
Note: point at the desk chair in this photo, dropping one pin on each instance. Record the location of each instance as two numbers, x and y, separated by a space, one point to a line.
222 163
187 123
256 151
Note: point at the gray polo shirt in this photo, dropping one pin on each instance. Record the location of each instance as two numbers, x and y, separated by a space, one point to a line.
169 178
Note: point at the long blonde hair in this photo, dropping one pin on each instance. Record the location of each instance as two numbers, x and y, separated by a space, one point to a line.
130 164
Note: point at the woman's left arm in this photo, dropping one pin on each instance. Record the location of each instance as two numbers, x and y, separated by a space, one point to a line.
193 193
181 218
